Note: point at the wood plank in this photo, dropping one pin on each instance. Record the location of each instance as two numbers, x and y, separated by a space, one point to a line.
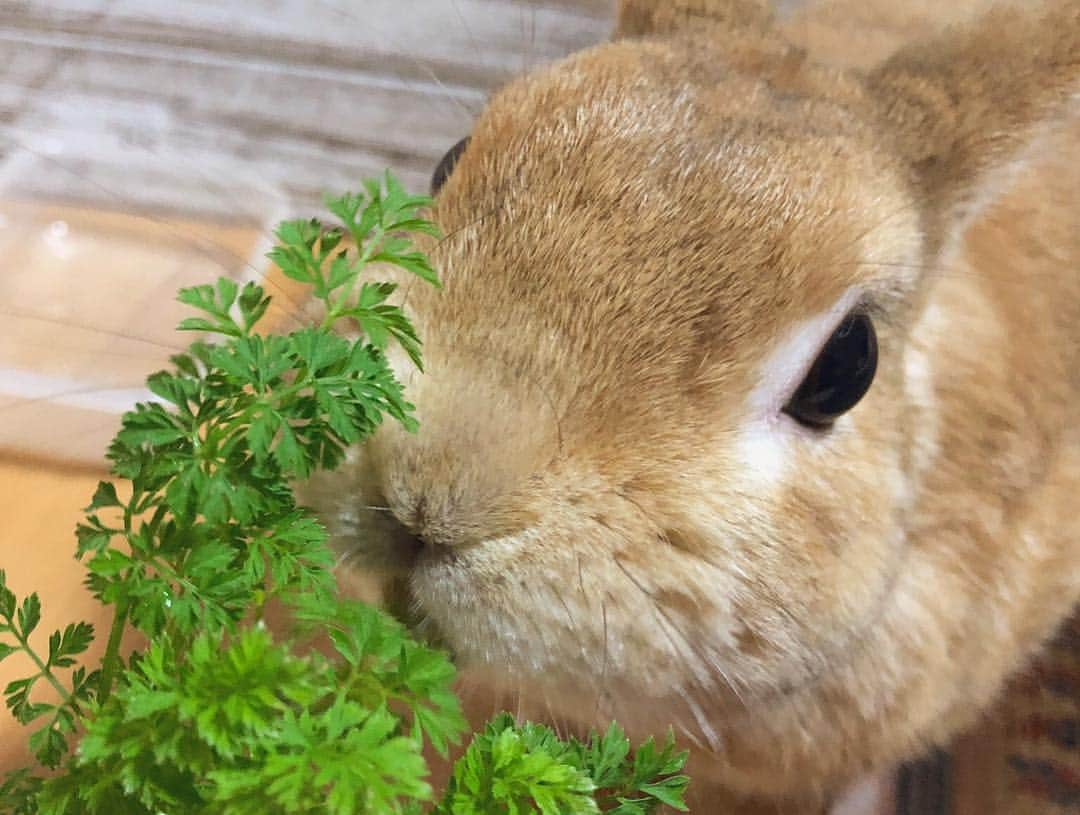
133 132
245 109
477 42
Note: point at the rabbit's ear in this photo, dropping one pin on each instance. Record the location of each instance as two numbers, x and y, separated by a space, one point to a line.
965 107
639 18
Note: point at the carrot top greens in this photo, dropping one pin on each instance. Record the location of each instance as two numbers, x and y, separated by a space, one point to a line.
200 530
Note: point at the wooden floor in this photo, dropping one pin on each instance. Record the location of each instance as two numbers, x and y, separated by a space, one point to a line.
233 110
146 145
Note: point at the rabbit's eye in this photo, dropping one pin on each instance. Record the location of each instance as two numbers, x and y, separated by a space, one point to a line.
446 165
840 376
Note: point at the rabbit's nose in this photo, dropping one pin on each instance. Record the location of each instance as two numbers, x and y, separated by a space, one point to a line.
420 527
407 543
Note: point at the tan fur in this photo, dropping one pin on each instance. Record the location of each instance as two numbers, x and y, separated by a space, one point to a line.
633 233
640 17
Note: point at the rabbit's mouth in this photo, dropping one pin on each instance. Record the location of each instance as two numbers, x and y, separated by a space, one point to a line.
434 601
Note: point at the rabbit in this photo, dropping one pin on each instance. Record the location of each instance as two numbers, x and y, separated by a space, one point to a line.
750 402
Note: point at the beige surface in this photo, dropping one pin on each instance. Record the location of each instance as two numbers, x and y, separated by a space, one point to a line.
40 506
89 311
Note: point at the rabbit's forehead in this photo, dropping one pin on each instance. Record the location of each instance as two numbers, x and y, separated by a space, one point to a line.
614 160
723 251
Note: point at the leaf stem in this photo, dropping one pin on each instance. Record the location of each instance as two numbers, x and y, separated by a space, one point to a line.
41 666
111 660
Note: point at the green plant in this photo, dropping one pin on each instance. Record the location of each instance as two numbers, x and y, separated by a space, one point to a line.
217 714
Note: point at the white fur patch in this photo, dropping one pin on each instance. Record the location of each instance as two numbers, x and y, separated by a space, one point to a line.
762 451
766 438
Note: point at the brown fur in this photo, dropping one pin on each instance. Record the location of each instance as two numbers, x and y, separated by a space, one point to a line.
631 234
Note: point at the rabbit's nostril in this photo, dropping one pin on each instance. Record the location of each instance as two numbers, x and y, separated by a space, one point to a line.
412 538
404 540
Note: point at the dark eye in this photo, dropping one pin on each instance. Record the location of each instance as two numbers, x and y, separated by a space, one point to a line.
446 165
841 374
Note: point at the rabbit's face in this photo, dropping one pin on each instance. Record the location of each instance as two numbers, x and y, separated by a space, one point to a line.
612 489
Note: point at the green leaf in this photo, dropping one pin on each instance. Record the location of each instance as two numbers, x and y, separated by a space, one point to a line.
417 225
261 432
63 648
201 298
226 293
29 615
18 793
299 233
291 264
208 559
318 350
7 599
150 426
288 453
669 791
177 390
413 262
374 294
328 241
253 303
109 563
183 488
342 272
202 324
48 745
17 699
91 539
104 496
